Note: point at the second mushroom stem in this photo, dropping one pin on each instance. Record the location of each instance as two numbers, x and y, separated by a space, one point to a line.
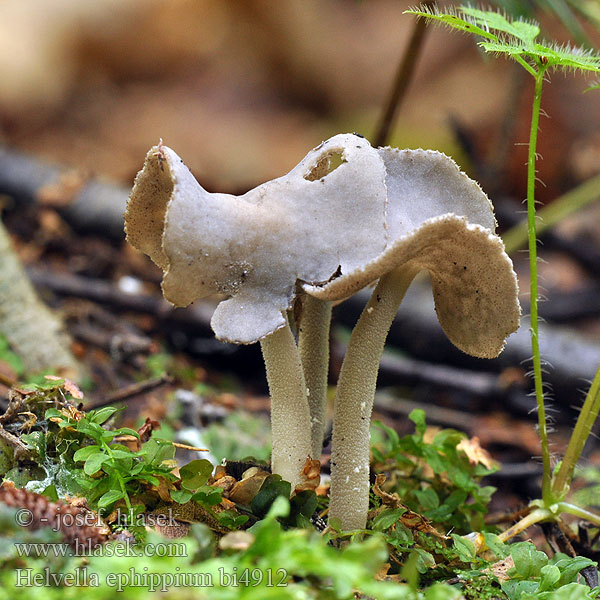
349 495
313 343
290 417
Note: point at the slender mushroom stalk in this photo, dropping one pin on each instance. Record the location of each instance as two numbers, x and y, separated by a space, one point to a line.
350 465
313 343
290 418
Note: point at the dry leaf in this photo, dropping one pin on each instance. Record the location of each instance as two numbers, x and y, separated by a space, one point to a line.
475 453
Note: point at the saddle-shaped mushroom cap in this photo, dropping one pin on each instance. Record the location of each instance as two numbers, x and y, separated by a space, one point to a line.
331 230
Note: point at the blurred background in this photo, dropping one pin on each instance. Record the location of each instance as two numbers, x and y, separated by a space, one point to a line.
242 90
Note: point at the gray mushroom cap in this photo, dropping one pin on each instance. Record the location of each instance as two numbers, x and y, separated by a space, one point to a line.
332 232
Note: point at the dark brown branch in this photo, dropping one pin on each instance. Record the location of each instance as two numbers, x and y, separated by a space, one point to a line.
106 293
130 391
416 330
402 80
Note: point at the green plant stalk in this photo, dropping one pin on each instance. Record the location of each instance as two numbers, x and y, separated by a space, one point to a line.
290 417
581 432
586 515
535 516
354 402
121 482
548 514
533 287
313 344
574 200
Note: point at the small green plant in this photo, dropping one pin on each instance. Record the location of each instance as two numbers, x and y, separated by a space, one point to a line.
434 478
518 40
111 471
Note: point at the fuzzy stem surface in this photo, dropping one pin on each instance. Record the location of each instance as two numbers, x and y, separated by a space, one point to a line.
577 511
313 344
536 516
354 402
581 432
553 213
290 419
533 287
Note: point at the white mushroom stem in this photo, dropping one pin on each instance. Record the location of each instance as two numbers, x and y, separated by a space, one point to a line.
354 401
290 418
313 343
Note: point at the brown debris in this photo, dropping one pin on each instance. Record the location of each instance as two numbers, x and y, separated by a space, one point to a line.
79 526
410 519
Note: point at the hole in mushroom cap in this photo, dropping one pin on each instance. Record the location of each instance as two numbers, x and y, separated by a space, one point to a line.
325 165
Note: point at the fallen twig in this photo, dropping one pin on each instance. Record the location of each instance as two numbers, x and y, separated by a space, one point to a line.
130 391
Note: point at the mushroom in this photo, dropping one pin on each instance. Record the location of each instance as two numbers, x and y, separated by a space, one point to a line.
254 249
345 216
439 220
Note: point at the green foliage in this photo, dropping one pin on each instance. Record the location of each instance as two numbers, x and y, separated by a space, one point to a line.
280 564
110 471
433 478
514 38
535 577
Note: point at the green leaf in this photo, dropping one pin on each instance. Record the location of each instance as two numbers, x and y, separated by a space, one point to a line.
94 462
570 566
522 30
195 474
528 560
136 468
109 498
53 412
208 495
303 504
424 561
273 487
36 440
158 450
465 548
85 452
441 591
454 21
126 431
146 477
181 496
550 577
102 415
230 519
92 429
417 416
88 484
123 454
496 545
386 518
51 493
427 498
515 38
520 590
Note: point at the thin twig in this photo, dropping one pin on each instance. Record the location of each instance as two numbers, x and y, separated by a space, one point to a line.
402 80
20 448
130 391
